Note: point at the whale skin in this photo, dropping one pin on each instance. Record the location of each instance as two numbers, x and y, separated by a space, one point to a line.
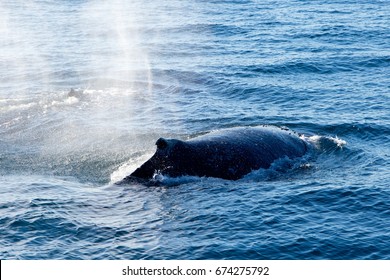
228 153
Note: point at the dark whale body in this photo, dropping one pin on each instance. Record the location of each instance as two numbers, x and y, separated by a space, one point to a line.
228 154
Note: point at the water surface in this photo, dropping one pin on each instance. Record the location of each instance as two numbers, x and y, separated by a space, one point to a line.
179 69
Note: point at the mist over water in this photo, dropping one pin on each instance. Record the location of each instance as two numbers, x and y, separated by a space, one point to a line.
89 41
179 69
93 47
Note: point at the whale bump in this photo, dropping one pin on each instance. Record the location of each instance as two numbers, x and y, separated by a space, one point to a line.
228 153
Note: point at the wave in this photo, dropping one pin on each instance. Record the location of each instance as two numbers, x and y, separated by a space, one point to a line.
329 65
363 131
204 28
58 135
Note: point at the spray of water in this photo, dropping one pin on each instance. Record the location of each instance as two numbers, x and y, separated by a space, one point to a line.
24 68
94 46
116 41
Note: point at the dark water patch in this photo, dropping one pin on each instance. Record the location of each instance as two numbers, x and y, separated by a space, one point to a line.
375 62
339 33
331 65
214 29
355 200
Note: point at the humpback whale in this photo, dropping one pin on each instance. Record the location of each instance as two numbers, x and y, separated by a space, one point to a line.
228 153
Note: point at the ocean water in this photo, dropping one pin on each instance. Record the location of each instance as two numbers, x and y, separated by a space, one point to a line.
141 70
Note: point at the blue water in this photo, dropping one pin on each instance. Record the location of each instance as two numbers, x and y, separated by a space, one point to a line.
180 68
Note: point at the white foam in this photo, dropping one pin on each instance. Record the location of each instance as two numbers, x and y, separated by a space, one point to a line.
128 167
321 142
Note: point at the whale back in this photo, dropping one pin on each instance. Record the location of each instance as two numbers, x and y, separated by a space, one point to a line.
228 154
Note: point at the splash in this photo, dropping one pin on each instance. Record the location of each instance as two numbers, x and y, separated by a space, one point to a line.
128 167
326 143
